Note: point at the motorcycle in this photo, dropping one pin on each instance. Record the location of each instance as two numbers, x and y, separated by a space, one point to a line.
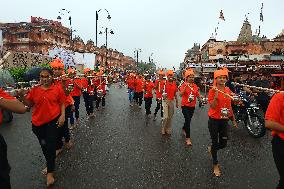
248 112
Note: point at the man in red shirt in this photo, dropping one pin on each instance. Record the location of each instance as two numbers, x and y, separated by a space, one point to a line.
168 103
159 88
189 92
220 111
148 94
85 83
130 83
274 120
139 89
76 94
58 68
101 90
7 102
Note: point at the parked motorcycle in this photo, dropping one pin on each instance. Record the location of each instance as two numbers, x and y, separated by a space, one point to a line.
248 112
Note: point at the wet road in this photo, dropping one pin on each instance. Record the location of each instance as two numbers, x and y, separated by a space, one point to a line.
120 149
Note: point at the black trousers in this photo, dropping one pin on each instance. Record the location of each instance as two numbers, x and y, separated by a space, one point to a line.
139 98
159 106
148 103
135 96
218 129
77 105
89 104
187 114
4 165
47 136
278 155
63 131
99 100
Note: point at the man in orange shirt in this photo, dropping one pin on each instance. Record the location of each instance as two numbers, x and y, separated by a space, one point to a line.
10 103
220 111
274 120
159 88
148 94
168 103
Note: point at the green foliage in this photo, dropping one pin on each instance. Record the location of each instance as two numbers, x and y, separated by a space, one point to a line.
18 73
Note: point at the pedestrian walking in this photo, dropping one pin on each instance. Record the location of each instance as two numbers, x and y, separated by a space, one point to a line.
189 92
220 111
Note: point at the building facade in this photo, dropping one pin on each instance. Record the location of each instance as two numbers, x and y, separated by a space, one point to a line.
39 35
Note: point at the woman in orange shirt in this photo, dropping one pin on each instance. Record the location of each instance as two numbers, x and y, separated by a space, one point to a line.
189 93
220 111
274 120
48 113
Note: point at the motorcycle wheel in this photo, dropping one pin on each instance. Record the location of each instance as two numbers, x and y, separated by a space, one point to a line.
255 126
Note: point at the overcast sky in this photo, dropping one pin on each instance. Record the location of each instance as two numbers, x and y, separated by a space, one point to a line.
166 28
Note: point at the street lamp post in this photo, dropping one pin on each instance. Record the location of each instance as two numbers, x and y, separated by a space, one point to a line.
97 18
137 55
107 32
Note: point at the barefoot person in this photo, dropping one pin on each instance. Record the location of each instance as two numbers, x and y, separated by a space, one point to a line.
168 103
48 113
10 103
274 120
220 111
189 93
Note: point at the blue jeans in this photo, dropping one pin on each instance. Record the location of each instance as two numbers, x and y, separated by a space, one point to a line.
130 94
76 104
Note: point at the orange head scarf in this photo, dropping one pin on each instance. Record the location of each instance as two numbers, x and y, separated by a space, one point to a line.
57 63
218 73
160 72
170 72
188 73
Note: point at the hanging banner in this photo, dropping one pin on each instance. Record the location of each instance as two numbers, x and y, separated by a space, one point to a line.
68 57
1 39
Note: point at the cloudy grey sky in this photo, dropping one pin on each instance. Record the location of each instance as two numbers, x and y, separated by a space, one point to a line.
166 28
